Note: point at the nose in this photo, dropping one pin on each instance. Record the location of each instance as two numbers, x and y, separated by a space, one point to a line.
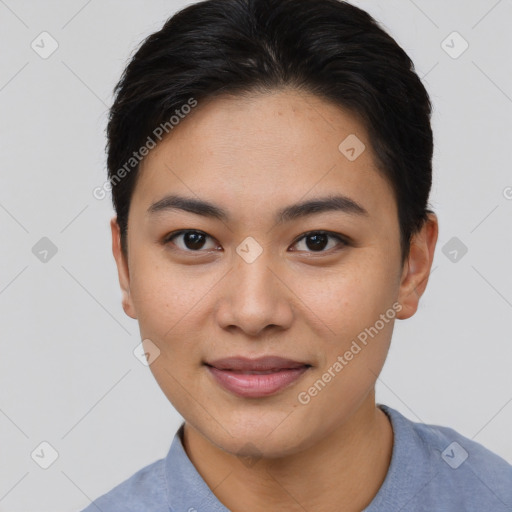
254 299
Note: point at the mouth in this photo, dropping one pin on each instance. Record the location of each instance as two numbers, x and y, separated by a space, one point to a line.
256 378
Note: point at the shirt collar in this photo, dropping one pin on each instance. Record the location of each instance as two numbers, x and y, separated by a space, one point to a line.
188 492
410 468
186 489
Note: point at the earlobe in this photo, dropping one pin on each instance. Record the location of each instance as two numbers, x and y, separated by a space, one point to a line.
417 267
122 269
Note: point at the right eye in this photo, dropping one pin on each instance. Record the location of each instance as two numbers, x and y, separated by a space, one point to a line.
190 240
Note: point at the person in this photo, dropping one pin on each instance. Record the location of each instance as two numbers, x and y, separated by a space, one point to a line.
270 163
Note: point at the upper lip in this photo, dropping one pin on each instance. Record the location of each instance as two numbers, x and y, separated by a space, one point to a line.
256 364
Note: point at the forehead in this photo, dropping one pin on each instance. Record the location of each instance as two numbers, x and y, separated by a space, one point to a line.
266 148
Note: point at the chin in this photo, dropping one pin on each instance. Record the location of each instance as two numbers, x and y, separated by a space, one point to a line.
268 436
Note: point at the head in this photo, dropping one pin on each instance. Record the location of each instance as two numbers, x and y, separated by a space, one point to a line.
291 141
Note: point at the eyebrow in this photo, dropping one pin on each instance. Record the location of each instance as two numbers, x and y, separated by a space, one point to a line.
338 203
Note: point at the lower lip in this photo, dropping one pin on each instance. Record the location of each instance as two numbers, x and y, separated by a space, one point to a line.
256 385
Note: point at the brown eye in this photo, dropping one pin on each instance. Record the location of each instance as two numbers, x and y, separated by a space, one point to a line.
318 241
191 241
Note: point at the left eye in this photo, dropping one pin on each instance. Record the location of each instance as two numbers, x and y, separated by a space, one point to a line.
317 241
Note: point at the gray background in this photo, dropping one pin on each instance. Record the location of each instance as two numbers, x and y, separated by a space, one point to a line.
68 373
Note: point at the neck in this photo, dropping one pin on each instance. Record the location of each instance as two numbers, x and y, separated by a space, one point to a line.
343 472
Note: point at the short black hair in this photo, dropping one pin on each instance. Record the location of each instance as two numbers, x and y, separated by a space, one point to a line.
329 48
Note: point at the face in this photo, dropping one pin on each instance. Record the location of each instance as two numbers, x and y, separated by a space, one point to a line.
252 274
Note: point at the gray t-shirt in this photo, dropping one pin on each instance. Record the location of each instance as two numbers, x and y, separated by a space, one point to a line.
433 469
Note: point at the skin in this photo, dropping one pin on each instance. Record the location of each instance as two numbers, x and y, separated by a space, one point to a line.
252 156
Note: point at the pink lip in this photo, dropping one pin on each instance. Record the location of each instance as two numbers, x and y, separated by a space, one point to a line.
256 377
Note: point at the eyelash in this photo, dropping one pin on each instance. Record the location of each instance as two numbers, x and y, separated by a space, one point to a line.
341 240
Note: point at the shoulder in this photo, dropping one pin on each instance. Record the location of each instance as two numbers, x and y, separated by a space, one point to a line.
456 470
143 491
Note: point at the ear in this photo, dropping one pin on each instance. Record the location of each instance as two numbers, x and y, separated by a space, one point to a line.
122 269
417 267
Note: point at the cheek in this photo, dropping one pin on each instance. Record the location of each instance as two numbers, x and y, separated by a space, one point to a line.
349 298
173 306
159 300
162 293
350 363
